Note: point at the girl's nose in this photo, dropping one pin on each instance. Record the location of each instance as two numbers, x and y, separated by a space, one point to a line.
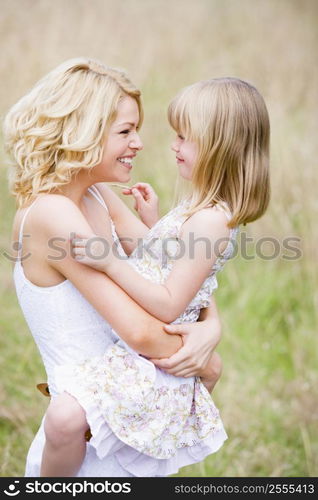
136 143
175 146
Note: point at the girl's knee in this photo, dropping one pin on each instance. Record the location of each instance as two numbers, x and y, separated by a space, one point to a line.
65 420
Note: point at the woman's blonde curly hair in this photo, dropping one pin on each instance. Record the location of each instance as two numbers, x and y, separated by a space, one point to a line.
60 126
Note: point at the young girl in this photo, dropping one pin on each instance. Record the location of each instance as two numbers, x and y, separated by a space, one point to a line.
76 128
221 148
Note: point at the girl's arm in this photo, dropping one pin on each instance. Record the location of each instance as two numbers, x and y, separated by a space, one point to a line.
131 229
200 339
204 237
57 218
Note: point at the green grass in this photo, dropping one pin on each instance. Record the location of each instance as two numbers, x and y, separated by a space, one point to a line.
269 386
268 392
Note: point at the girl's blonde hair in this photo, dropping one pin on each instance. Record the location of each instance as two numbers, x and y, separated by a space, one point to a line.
228 121
60 126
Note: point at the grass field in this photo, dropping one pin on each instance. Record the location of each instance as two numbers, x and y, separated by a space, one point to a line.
268 394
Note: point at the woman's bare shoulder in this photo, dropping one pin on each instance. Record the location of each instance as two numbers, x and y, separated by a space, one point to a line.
55 212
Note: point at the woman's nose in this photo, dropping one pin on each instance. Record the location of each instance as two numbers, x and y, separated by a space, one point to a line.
136 142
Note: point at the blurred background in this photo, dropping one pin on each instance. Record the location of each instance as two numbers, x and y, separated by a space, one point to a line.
268 394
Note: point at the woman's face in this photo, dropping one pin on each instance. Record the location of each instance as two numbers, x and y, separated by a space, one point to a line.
186 155
122 144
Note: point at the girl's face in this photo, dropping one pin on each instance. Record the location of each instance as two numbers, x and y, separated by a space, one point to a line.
186 155
122 144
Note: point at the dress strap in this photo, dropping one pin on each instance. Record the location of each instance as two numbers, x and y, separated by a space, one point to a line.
22 226
94 191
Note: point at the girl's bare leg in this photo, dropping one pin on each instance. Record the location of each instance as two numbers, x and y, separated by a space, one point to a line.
65 426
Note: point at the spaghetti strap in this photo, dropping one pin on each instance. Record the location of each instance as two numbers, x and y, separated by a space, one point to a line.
21 228
94 191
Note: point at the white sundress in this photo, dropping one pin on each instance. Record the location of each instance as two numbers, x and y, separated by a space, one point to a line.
66 329
153 422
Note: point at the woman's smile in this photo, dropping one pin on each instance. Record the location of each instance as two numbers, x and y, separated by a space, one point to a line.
126 161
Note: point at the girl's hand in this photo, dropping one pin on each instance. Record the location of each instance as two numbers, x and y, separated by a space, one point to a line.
94 251
199 341
146 202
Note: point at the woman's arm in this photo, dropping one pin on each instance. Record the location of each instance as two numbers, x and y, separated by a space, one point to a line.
57 218
200 339
167 301
197 357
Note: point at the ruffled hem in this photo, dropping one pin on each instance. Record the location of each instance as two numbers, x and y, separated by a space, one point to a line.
141 465
110 436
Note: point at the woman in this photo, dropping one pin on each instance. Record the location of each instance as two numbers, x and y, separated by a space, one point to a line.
59 136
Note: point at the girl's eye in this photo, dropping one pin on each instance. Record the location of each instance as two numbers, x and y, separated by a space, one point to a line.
181 137
125 131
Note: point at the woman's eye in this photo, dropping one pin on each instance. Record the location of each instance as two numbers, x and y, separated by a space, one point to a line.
181 137
125 131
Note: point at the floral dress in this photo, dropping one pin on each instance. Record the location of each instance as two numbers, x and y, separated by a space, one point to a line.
152 421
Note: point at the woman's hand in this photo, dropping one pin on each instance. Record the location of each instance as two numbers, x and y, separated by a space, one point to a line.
146 202
199 341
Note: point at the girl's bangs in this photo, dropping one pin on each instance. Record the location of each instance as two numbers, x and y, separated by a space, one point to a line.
178 116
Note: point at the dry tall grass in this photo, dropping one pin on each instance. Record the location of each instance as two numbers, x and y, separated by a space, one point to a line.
268 393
